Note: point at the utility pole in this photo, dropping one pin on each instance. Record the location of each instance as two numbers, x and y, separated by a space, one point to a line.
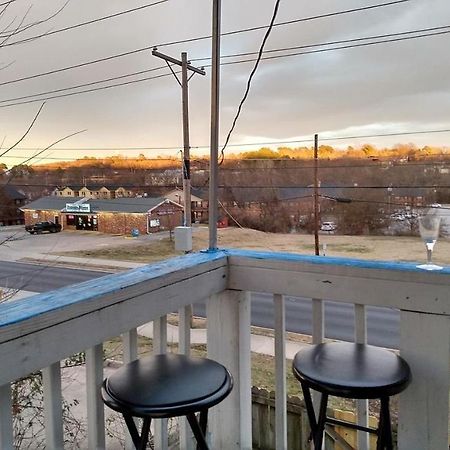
316 194
185 66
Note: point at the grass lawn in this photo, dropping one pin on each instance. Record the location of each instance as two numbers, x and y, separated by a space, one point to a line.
388 248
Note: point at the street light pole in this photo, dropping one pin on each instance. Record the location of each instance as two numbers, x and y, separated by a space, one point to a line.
185 67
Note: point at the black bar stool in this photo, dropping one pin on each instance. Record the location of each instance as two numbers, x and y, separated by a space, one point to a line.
349 370
164 386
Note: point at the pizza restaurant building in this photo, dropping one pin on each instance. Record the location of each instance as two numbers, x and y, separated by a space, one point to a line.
115 216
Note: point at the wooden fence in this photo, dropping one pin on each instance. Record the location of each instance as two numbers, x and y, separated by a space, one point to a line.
263 425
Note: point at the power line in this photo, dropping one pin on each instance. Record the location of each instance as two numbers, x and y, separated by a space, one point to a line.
95 159
237 186
331 138
69 94
8 2
182 41
379 165
84 84
375 165
249 80
337 166
441 186
322 44
366 44
82 24
234 55
226 64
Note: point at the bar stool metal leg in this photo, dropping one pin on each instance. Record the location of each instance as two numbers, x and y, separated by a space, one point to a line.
380 432
317 425
387 438
321 422
145 433
199 436
140 442
309 408
204 421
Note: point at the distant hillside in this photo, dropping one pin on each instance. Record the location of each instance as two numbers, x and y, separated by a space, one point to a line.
407 152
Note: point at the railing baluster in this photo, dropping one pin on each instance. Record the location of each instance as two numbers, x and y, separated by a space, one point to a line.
51 380
280 374
160 347
362 405
95 408
424 405
130 353
184 330
6 421
184 347
318 321
130 345
318 335
228 335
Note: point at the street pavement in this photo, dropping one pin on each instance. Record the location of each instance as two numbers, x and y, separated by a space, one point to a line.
382 323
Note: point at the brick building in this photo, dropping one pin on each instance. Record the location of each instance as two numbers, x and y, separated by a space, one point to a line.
11 201
115 216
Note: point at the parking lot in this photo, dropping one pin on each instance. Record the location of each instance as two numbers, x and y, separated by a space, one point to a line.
16 243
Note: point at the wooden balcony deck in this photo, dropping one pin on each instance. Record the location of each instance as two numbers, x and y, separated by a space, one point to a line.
37 332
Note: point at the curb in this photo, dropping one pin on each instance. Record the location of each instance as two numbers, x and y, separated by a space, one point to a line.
74 265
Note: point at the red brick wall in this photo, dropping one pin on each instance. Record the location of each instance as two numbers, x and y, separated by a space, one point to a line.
169 216
42 216
121 223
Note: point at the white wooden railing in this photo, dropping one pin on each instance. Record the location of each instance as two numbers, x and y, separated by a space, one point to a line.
36 333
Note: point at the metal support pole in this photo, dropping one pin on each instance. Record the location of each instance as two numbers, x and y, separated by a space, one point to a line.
316 194
214 151
186 156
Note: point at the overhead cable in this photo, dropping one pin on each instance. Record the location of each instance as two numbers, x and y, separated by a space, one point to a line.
183 41
82 24
230 63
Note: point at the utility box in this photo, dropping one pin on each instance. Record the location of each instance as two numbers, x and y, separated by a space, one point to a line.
183 239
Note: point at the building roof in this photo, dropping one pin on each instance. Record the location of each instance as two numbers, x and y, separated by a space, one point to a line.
12 193
91 187
124 205
177 195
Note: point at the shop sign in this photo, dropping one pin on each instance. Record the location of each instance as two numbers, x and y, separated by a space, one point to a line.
78 208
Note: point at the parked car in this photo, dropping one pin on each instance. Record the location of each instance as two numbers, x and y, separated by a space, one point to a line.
398 216
328 226
40 227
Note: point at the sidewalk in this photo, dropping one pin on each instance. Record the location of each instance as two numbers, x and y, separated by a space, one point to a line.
259 344
102 265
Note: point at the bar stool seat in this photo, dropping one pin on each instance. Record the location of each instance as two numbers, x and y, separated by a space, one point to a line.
350 370
165 386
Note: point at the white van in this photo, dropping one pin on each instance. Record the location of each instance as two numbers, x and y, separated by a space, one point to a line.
328 226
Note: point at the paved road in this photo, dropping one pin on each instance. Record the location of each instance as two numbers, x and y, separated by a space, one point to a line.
382 323
41 278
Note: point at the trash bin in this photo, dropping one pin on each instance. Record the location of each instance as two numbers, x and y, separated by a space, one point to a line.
134 232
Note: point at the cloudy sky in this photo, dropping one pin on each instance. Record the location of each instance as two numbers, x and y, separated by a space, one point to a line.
387 88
